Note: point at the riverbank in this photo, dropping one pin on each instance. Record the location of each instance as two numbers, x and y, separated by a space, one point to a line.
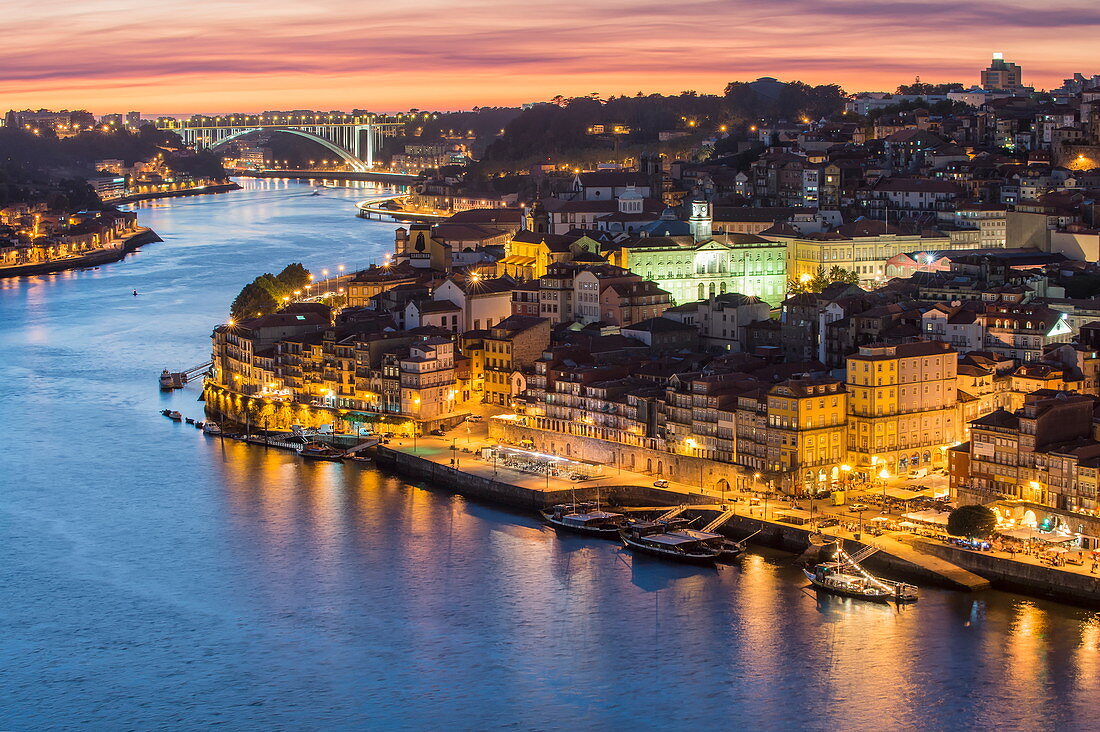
196 191
91 259
899 554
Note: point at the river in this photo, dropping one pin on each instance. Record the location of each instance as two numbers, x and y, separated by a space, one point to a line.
152 577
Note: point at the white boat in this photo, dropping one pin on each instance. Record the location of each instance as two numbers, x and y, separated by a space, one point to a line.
845 577
211 428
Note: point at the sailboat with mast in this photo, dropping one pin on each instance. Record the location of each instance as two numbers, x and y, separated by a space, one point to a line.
584 518
845 576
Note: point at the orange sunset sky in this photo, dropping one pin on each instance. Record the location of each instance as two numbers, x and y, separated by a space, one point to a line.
174 56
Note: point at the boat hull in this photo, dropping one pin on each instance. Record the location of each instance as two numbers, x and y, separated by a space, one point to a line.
701 560
600 532
840 592
329 458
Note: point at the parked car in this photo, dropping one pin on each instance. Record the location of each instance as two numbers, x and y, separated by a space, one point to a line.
660 483
857 508
473 418
826 523
438 432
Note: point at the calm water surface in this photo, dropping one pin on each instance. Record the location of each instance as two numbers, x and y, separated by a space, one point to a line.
152 577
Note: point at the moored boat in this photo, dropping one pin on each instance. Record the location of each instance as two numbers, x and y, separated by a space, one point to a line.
319 451
846 577
166 380
175 416
211 428
584 518
672 540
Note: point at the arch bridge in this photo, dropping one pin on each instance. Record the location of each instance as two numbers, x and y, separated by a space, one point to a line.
352 138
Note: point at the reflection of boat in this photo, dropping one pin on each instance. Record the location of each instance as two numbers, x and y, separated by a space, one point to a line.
211 428
584 518
673 540
845 577
319 451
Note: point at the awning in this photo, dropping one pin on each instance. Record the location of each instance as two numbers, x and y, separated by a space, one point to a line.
1026 533
927 517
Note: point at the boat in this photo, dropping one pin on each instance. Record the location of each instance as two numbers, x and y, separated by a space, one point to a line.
189 420
584 518
166 381
844 576
673 540
319 451
356 457
211 428
175 416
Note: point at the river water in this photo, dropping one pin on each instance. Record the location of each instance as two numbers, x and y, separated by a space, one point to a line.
152 577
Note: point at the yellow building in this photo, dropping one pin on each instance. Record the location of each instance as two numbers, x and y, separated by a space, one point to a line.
529 253
902 410
861 247
806 432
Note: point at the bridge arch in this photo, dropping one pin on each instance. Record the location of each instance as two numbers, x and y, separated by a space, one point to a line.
352 160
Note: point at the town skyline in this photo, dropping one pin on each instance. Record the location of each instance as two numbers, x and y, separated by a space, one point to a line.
249 57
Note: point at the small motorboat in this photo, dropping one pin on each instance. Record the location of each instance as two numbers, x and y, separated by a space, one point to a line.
211 428
845 577
189 420
175 416
357 458
319 451
584 518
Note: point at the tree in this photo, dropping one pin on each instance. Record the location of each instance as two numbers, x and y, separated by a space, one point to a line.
972 521
252 301
293 277
839 274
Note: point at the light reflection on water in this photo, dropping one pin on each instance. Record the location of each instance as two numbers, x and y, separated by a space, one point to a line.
156 577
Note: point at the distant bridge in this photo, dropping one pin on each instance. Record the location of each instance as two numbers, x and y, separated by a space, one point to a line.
352 138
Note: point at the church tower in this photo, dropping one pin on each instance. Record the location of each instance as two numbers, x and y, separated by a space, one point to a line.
701 219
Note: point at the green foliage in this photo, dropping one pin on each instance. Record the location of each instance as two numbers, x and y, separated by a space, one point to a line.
822 279
41 159
972 521
920 88
265 294
1081 286
203 164
254 300
294 277
557 131
944 108
792 101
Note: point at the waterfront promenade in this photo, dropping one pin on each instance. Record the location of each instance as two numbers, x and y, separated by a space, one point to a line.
916 554
104 255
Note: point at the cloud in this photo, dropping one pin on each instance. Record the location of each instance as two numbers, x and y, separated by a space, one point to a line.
428 53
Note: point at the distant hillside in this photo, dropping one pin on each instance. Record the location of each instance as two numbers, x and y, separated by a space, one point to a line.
560 129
